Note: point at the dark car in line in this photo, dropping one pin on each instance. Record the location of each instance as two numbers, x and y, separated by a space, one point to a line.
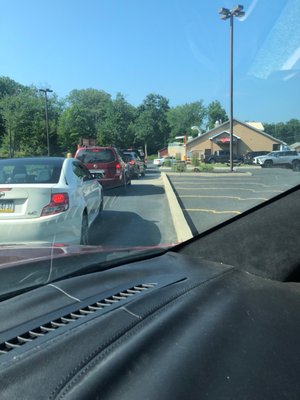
139 153
135 164
105 163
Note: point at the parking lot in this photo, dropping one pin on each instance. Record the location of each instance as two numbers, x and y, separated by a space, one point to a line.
211 198
144 214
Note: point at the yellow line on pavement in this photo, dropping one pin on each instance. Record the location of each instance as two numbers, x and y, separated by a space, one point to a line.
213 211
228 188
223 197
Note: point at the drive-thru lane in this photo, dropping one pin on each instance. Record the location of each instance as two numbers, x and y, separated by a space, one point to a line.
137 216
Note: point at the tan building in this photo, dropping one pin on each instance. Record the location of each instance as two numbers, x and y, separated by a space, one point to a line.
246 137
295 146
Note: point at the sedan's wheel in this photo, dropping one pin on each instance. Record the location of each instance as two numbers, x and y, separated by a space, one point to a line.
84 240
296 165
212 161
268 163
101 203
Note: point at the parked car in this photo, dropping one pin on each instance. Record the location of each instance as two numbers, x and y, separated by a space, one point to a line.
279 158
249 156
47 199
106 164
167 160
158 161
221 156
136 165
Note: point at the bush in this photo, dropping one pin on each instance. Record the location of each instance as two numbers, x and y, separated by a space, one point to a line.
206 168
195 160
179 167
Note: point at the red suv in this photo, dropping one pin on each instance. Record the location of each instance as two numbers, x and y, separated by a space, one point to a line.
106 164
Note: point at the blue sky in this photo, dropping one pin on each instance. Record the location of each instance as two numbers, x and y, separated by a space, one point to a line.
175 48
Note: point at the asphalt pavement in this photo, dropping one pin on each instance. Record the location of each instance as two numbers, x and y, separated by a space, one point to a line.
137 216
208 199
164 207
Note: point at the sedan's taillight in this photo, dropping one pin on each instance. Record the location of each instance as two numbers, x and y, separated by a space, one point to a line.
59 203
118 166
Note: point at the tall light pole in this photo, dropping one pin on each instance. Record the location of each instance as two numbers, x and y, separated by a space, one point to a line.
225 13
45 91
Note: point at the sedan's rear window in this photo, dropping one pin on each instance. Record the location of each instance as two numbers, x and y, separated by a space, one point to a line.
96 156
16 171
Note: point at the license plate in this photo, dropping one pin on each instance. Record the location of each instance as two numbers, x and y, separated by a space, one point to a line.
98 173
7 206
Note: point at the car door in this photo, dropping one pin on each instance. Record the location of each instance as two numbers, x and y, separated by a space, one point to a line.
91 189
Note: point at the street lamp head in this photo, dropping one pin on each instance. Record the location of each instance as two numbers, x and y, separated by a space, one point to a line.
237 8
237 11
224 13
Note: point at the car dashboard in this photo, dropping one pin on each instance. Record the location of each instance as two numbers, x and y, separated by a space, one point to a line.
214 318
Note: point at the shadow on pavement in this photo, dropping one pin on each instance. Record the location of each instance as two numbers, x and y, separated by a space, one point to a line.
122 229
135 190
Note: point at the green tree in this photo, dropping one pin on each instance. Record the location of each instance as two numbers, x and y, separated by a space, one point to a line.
8 87
181 118
215 112
151 125
23 116
117 127
83 117
288 132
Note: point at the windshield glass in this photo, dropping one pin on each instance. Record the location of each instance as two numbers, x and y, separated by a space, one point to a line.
95 155
18 170
199 106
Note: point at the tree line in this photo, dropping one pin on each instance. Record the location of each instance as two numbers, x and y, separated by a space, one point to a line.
94 114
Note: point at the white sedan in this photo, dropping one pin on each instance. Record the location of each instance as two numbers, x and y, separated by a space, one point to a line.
47 199
168 160
158 161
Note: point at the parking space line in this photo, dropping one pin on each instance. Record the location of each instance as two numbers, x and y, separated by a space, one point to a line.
222 197
213 211
228 188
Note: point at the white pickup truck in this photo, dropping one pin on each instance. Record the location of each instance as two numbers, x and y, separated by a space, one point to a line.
277 158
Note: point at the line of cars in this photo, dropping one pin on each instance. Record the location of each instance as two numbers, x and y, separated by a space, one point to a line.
113 167
56 199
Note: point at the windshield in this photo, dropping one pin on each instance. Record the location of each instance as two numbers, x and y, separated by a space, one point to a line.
196 104
18 170
95 155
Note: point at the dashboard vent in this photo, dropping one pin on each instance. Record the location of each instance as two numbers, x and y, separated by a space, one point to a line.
103 304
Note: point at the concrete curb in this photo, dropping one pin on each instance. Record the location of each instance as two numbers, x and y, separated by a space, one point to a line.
182 228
